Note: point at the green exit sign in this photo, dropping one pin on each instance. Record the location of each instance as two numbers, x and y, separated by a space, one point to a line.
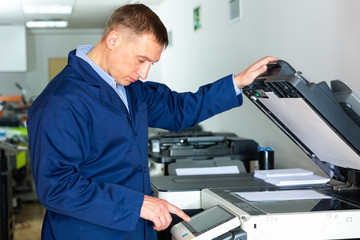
197 18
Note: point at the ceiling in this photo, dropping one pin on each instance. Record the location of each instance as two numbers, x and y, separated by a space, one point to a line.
85 13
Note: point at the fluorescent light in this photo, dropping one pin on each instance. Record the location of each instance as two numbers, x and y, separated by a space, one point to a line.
47 9
46 24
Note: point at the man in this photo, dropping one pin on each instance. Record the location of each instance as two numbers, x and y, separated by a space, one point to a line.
88 131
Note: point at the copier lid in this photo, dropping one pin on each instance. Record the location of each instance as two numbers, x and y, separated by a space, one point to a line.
323 122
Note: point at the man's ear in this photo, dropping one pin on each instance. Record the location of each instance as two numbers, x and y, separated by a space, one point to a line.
112 38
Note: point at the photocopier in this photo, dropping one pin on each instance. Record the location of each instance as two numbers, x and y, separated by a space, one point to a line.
324 121
171 152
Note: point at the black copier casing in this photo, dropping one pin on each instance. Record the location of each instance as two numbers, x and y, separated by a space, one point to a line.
168 148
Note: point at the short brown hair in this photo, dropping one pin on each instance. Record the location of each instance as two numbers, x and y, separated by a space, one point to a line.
140 19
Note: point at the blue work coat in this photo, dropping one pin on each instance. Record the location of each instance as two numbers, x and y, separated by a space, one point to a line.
89 155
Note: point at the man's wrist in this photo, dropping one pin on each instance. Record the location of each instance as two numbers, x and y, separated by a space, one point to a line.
237 90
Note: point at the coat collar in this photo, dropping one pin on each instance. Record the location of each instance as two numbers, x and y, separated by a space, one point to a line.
91 77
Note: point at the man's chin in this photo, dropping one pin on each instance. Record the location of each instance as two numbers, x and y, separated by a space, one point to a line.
126 82
131 80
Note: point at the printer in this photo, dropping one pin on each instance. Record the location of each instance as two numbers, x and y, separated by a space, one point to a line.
170 151
183 163
324 121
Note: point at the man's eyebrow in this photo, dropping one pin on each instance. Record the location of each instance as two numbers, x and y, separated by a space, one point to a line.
148 59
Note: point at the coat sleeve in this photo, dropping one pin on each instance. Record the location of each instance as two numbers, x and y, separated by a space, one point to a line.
59 141
176 111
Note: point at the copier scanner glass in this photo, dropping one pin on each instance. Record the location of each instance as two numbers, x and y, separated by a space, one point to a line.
328 202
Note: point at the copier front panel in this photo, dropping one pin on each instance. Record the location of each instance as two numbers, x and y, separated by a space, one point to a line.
328 218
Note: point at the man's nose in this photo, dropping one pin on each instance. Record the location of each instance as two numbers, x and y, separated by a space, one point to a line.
144 70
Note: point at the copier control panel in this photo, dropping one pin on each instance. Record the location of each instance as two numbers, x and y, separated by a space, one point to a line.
208 224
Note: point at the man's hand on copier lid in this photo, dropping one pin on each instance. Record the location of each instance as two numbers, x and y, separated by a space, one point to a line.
247 76
158 211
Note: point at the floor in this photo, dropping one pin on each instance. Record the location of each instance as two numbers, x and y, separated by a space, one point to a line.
28 221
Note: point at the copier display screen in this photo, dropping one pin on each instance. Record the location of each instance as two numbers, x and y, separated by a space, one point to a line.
208 219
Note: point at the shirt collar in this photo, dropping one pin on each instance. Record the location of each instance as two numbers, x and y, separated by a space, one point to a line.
81 52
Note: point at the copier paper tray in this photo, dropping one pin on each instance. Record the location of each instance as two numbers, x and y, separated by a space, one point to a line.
324 121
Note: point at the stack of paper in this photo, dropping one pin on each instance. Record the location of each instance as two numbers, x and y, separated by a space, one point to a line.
290 177
207 170
297 180
283 195
263 174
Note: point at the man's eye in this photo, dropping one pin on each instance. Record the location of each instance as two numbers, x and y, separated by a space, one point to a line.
141 60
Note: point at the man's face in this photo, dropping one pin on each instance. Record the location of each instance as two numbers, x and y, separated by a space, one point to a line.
131 58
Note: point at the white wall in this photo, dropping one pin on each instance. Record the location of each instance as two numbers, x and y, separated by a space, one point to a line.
46 44
13 48
319 38
42 45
